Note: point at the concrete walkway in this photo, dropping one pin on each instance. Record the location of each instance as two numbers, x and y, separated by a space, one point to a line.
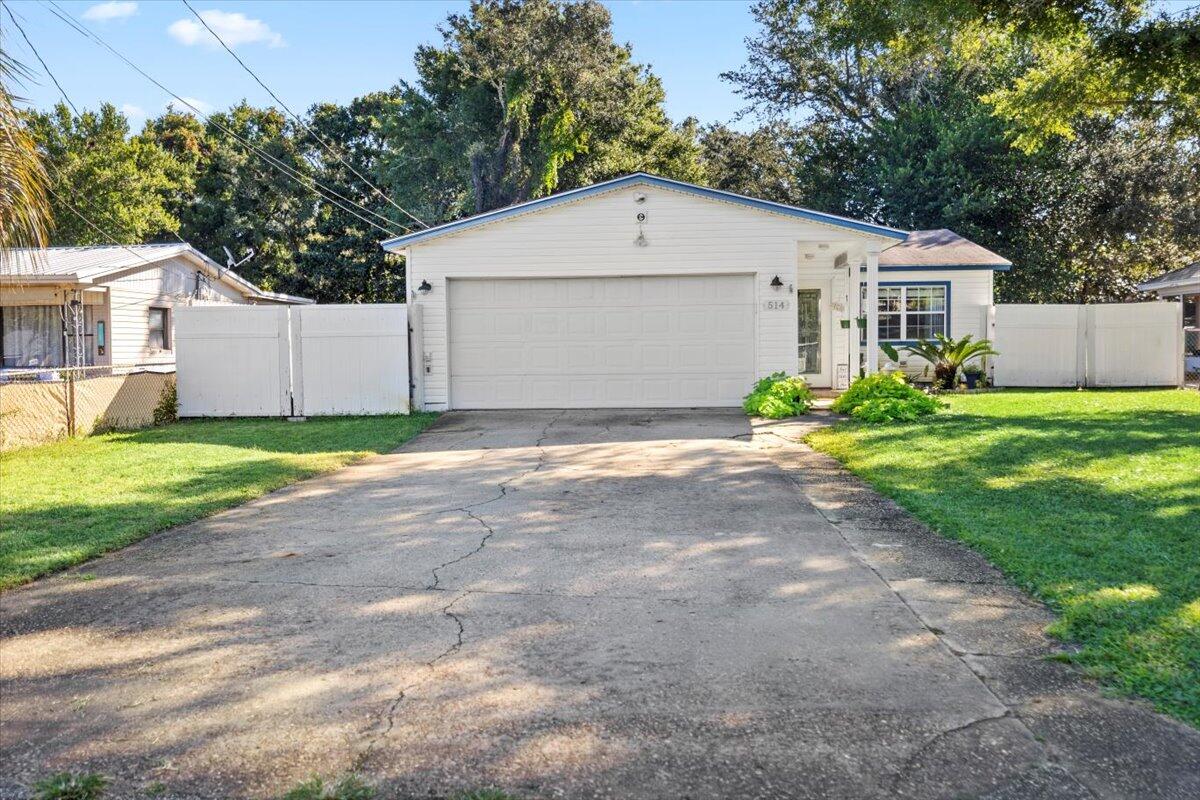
567 604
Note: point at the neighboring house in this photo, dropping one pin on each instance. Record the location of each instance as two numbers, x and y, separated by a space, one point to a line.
1183 284
645 291
107 305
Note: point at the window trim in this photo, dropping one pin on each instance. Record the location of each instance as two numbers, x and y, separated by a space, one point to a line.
904 312
166 328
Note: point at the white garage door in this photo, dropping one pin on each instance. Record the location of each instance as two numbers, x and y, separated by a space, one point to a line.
601 342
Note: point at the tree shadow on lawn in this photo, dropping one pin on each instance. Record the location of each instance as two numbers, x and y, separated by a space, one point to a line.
1097 515
83 521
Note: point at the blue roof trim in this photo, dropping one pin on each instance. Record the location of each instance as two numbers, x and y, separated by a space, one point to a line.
399 242
1005 267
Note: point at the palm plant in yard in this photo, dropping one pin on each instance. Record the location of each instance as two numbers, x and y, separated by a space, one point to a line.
24 205
949 355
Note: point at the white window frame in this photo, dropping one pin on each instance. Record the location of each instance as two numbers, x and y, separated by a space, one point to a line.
166 329
904 313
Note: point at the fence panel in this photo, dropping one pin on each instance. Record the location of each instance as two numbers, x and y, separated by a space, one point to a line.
42 405
351 359
1040 345
1135 344
1191 357
1119 344
233 361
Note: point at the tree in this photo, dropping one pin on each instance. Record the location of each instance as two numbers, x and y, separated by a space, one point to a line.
523 99
25 212
246 198
1068 61
762 163
897 131
129 180
343 262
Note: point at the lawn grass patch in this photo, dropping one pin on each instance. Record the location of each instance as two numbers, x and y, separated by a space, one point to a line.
1089 500
66 502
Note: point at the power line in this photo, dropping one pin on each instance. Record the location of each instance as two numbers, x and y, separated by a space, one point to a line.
299 177
38 56
299 120
67 98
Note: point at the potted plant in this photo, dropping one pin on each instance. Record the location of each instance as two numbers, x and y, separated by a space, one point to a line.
948 356
971 374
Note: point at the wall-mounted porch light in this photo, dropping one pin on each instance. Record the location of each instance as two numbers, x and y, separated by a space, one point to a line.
776 283
424 288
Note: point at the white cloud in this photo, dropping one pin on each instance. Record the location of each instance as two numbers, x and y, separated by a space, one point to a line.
200 105
234 28
114 9
133 113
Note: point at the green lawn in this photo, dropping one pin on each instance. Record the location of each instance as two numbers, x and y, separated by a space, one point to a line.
63 503
1089 500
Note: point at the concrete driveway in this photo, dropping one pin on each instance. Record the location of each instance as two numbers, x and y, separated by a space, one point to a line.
567 604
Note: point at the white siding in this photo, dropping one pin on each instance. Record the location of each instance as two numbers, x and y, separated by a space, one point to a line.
596 237
166 284
970 297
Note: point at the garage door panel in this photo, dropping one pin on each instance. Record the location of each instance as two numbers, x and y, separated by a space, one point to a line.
594 342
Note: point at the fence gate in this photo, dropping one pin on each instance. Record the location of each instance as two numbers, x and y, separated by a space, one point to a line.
350 359
232 361
1120 344
292 360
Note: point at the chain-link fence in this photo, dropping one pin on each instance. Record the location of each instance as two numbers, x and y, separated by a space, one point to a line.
44 404
1191 357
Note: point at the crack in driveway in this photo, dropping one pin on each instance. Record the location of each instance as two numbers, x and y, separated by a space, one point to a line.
393 707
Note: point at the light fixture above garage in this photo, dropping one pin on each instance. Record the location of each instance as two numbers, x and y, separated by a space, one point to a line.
424 288
776 283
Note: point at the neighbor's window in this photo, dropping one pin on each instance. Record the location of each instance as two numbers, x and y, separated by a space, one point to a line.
908 313
160 331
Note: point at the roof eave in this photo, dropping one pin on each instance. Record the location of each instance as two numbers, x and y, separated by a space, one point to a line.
400 243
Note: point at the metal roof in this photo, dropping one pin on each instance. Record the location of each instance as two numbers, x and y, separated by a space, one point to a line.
639 179
940 249
92 264
1184 276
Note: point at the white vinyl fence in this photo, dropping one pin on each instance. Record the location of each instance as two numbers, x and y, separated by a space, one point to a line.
236 361
1122 344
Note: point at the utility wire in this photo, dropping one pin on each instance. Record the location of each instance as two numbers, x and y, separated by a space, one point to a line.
300 121
38 56
70 103
300 178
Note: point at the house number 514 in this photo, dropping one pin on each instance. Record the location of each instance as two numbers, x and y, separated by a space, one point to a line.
776 305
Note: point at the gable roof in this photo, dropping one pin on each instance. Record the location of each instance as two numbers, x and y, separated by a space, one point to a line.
638 179
86 265
1176 278
941 249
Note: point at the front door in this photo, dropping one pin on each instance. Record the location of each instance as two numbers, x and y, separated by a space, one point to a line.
813 351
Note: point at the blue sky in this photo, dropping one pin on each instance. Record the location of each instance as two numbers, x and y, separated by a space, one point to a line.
332 51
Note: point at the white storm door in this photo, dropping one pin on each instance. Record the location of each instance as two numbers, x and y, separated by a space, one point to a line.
814 331
633 342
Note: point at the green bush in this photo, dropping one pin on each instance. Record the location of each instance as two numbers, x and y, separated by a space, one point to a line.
71 786
885 397
777 396
167 409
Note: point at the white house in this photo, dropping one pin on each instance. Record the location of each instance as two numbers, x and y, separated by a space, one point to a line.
649 292
1181 284
107 305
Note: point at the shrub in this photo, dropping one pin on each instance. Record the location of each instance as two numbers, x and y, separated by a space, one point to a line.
167 409
71 786
885 397
895 409
777 396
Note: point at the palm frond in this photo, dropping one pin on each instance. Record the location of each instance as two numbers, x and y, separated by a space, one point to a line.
25 218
